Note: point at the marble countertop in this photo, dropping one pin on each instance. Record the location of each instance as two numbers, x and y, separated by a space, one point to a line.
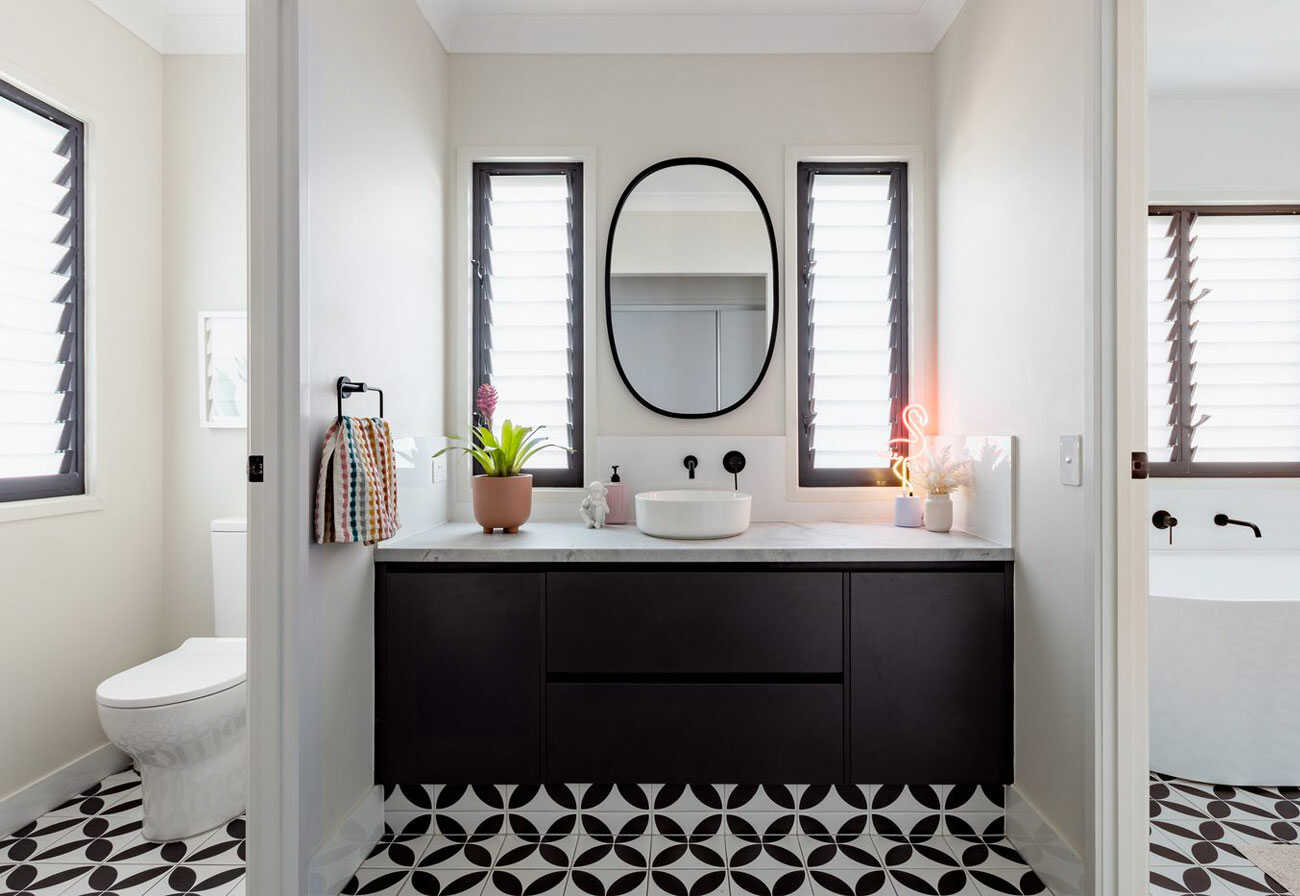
540 542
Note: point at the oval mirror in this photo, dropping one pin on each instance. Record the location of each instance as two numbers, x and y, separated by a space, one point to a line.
691 288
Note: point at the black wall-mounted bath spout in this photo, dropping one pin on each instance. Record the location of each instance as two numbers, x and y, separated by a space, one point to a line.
690 462
1222 519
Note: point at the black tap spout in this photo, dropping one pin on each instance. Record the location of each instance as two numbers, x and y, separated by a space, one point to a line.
690 462
1222 519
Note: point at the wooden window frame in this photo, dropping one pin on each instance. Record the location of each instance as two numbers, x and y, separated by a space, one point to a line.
71 479
572 476
1183 465
855 477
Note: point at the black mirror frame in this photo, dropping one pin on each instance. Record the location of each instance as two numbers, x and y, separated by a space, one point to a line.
776 282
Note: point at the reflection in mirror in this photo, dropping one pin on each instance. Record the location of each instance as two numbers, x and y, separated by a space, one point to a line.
691 288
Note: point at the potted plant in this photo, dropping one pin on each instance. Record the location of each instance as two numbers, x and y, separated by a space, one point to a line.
939 473
503 492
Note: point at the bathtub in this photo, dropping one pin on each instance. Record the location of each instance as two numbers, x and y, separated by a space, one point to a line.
1225 666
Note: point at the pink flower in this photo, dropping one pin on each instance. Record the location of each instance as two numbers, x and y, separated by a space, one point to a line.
486 402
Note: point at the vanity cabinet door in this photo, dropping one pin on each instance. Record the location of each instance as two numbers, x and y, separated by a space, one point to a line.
931 677
459 677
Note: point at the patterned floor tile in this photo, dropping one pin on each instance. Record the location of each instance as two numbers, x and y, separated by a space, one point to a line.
193 879
818 799
626 854
751 800
526 882
369 881
1014 882
31 841
1198 829
39 880
678 881
118 880
862 853
785 852
850 882
608 882
517 852
617 798
933 882
771 882
932 855
710 852
444 882
676 799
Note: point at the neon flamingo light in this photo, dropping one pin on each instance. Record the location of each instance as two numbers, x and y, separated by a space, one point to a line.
915 419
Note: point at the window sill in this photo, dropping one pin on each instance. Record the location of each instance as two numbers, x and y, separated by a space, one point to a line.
13 511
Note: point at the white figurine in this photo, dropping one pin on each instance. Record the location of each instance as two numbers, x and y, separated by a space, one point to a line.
594 507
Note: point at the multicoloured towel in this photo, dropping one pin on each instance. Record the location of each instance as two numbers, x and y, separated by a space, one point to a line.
356 494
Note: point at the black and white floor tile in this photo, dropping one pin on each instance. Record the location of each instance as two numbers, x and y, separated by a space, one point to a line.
697 840
93 845
1197 831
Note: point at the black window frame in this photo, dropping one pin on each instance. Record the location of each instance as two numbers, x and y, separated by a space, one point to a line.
572 476
874 477
1182 367
71 480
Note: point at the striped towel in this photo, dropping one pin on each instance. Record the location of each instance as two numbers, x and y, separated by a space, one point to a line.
356 494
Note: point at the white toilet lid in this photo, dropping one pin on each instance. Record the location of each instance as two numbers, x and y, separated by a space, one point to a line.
199 667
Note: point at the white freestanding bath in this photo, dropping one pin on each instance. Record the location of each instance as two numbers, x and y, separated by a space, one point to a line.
1225 666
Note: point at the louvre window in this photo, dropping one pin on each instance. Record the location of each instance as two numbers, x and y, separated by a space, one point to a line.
42 247
528 282
853 283
1224 341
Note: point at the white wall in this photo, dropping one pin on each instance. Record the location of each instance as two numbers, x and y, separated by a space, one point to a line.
1016 114
205 268
628 112
82 595
373 118
1224 146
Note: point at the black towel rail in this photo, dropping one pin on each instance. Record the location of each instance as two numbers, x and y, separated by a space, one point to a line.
346 388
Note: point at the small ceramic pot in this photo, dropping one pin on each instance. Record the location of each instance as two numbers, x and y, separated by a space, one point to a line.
503 502
938 513
907 512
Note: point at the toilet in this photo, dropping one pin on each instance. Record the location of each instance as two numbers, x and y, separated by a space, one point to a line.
183 716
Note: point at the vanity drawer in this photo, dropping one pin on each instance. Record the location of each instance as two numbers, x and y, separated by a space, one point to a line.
741 733
695 622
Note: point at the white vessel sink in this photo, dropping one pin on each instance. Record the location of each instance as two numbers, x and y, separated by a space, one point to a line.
691 514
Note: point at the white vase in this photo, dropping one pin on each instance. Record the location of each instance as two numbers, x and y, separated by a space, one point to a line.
938 513
907 512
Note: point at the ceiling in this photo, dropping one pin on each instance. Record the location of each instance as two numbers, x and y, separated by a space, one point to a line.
595 26
690 26
182 26
1224 44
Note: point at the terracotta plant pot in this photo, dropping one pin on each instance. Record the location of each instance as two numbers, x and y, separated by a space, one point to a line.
503 502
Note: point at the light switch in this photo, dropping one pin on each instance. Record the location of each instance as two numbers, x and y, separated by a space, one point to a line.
439 469
1071 460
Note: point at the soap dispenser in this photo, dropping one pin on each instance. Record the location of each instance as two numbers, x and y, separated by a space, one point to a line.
616 498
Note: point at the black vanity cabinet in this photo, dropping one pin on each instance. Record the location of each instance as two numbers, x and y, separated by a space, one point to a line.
931 681
458 693
744 673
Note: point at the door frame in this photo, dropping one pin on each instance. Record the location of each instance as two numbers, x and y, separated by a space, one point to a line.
1124 753
277 859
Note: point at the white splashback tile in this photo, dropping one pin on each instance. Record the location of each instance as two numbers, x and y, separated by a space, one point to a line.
1271 504
647 464
985 507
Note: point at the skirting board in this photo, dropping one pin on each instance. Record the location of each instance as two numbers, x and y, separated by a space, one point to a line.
340 857
24 806
1042 847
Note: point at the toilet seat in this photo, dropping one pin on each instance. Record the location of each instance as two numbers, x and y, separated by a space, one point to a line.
198 668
